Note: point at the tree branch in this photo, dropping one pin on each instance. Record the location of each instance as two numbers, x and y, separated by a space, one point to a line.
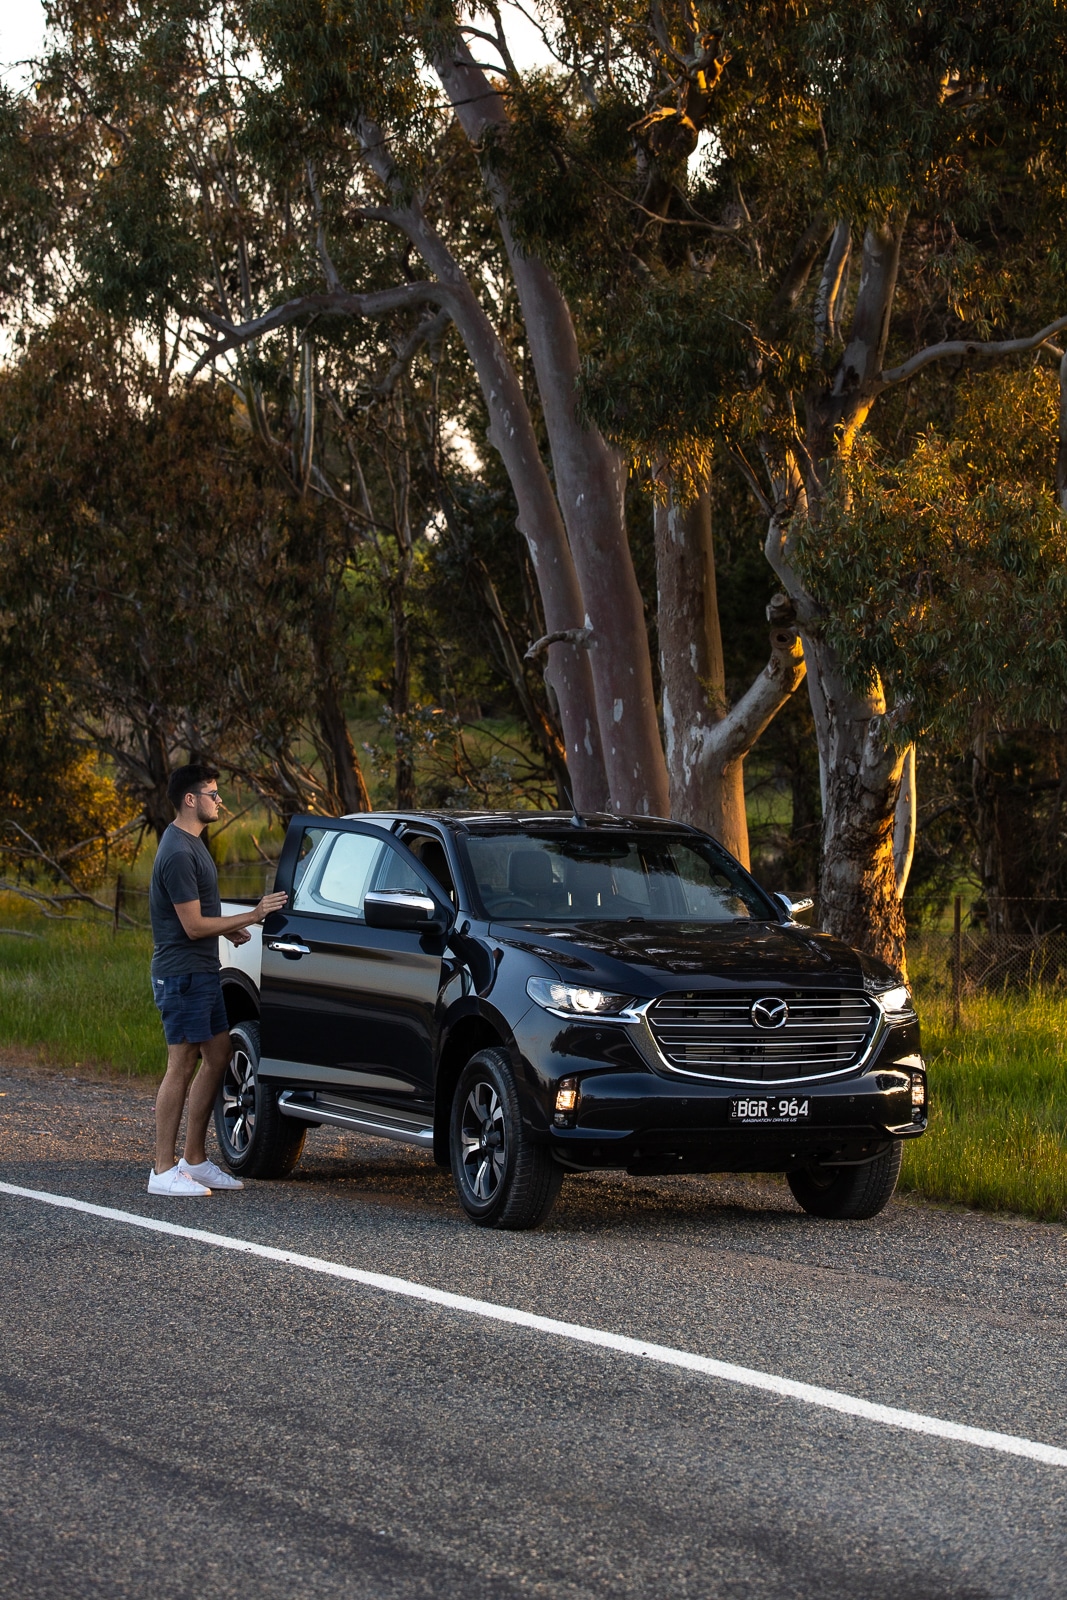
857 376
732 737
37 852
378 303
333 281
967 347
798 271
580 637
830 284
429 331
750 478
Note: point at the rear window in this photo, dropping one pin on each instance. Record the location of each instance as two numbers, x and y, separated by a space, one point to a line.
589 876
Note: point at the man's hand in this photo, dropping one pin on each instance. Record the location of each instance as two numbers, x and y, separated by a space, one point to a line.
269 903
197 926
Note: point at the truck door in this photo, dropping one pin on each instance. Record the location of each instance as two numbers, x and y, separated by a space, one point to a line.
345 1006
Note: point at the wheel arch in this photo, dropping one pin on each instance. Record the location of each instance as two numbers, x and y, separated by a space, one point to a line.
469 1035
240 998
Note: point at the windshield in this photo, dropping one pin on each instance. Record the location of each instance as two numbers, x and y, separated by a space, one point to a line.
605 877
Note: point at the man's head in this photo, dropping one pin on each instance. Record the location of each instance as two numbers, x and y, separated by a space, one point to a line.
193 794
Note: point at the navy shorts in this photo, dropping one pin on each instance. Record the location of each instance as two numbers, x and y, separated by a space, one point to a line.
191 1006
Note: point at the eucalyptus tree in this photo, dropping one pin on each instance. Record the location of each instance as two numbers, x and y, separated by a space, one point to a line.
338 118
944 573
880 197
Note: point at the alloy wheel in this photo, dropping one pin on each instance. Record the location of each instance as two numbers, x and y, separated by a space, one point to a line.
239 1101
483 1136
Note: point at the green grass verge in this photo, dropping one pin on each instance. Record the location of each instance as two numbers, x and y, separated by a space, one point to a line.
73 993
998 1091
77 995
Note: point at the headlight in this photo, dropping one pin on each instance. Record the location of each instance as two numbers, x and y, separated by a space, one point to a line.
895 1003
573 1001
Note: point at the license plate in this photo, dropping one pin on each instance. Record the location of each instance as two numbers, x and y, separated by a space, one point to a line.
770 1109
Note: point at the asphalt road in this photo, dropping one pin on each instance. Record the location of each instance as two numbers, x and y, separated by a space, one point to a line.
178 1420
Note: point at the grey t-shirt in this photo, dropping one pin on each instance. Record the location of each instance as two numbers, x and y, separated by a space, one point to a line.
183 871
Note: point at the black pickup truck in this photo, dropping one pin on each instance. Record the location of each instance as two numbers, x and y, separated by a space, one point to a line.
532 994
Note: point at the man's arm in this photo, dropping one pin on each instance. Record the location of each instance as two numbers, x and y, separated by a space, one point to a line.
197 926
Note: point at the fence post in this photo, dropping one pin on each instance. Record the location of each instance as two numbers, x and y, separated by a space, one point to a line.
957 961
119 897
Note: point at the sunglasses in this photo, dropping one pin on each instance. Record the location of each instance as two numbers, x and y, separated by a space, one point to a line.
209 794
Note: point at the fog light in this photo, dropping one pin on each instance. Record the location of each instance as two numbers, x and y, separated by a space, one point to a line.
568 1095
918 1090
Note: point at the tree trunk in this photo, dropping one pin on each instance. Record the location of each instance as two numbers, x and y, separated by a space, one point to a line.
861 771
401 702
590 481
904 823
693 674
707 740
158 811
858 900
141 753
347 780
591 484
512 435
543 729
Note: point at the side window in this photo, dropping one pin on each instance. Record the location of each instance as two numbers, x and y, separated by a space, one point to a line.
313 838
430 853
396 873
338 872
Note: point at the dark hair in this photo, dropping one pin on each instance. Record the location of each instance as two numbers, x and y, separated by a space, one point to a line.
184 780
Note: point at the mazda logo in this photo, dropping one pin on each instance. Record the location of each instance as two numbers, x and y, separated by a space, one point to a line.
769 1013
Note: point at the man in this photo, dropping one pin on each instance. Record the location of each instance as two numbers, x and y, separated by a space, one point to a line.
186 924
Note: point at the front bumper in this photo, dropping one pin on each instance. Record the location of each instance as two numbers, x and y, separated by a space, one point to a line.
649 1121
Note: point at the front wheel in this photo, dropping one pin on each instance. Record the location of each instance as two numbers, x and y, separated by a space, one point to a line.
255 1139
502 1177
848 1193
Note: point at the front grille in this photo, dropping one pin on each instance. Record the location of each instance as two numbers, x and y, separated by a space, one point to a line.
714 1035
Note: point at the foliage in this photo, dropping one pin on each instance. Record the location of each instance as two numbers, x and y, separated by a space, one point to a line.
63 824
946 573
151 567
179 156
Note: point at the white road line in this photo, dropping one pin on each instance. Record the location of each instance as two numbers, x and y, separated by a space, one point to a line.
748 1377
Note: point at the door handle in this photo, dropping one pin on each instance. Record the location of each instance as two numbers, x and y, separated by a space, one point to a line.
289 947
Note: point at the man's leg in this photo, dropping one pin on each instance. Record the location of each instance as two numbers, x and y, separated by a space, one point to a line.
216 1055
181 1064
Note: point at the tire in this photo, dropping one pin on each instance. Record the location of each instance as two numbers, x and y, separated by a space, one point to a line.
502 1177
848 1192
255 1139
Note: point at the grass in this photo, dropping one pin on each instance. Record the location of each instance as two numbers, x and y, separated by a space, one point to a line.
73 993
998 1097
77 995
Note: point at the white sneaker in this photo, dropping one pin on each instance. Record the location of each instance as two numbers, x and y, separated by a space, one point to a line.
174 1181
207 1172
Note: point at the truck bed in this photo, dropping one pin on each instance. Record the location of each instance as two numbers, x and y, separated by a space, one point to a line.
247 958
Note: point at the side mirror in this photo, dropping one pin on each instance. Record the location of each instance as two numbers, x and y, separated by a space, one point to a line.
792 909
400 909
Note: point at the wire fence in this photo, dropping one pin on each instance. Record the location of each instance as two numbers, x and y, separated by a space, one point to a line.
240 880
1020 948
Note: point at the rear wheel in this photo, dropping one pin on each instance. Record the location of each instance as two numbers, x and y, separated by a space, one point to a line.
255 1139
848 1192
502 1177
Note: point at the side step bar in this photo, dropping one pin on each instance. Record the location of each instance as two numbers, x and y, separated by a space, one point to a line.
358 1118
